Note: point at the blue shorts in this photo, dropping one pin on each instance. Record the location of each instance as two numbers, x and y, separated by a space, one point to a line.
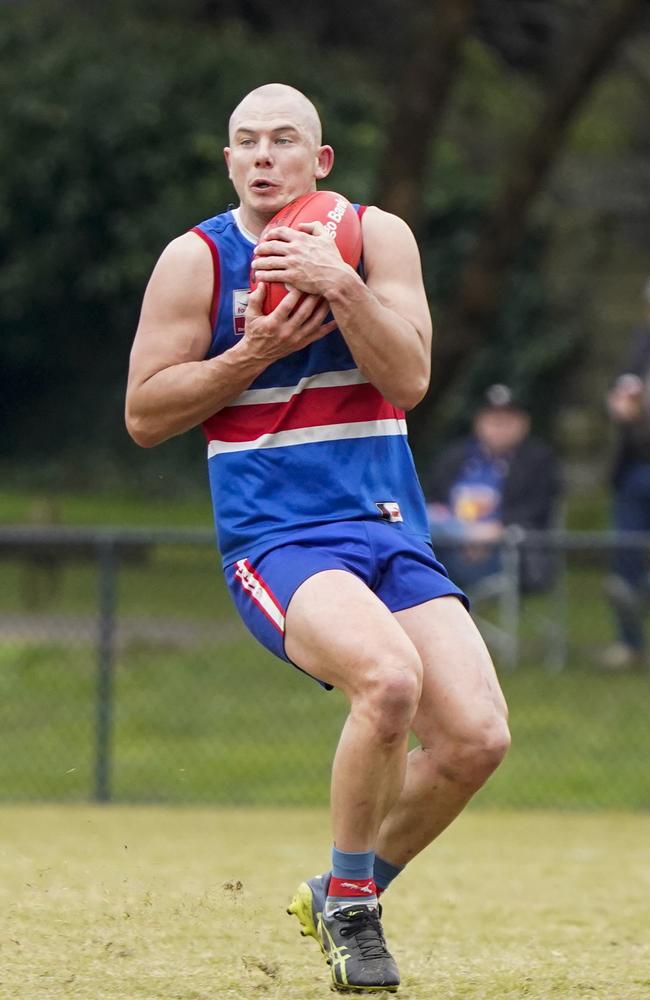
399 568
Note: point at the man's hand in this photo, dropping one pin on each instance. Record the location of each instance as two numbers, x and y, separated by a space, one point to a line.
307 259
297 321
625 400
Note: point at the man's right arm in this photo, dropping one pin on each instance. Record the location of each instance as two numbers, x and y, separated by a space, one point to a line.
172 387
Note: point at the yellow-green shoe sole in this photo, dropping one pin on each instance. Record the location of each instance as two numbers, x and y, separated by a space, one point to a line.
301 907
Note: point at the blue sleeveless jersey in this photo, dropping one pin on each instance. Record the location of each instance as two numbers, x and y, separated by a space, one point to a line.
310 442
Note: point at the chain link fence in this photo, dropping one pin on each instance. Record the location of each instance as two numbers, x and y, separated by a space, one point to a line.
126 675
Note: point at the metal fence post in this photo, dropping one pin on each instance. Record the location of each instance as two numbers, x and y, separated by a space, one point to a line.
510 595
105 659
558 653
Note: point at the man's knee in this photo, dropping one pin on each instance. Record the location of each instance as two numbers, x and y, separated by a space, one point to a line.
493 745
470 757
391 693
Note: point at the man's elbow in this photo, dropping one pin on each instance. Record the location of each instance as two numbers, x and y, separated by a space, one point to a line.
412 394
140 431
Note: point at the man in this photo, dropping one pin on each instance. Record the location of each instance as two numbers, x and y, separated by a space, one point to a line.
496 477
628 402
320 517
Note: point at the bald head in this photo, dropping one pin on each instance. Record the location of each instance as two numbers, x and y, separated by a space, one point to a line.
280 101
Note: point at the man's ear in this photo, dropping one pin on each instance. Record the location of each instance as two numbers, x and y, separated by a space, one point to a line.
226 156
324 162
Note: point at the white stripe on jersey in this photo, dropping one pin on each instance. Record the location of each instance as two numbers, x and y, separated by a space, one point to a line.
282 393
312 435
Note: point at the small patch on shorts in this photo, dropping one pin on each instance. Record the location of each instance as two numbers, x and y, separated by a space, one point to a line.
389 510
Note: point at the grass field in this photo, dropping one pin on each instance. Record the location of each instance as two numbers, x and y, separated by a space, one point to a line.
160 904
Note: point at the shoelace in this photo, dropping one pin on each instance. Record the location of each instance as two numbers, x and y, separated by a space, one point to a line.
363 925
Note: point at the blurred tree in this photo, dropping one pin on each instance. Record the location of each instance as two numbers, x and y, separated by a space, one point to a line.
114 119
431 59
564 47
111 146
472 314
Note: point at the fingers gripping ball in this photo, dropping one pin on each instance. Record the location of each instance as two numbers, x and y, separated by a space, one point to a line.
340 220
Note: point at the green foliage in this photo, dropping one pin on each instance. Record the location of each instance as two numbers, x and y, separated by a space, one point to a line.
111 145
612 120
531 344
114 118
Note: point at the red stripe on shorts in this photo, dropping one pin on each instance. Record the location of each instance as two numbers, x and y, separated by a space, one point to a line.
267 591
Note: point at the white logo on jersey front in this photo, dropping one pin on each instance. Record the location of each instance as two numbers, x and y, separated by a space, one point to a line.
239 303
389 510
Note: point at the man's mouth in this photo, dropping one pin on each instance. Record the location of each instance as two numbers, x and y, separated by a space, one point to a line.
260 184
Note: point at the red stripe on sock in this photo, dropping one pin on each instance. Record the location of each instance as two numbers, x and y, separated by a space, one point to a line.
357 888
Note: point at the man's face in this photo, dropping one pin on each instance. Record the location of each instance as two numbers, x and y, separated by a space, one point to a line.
501 430
273 156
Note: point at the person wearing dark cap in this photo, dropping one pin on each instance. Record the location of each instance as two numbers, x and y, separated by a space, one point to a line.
627 586
498 476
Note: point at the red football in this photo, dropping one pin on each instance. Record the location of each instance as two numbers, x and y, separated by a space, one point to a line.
340 220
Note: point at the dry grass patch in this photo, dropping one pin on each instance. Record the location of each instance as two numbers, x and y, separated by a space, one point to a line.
163 904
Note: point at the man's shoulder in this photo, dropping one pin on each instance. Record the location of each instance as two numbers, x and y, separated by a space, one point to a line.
216 224
185 251
379 219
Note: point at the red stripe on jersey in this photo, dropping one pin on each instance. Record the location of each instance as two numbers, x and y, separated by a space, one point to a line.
216 272
347 404
362 267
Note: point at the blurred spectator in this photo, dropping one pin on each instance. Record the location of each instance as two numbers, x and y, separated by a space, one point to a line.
628 402
497 477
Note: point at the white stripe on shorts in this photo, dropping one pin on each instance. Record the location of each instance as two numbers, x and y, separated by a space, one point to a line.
258 592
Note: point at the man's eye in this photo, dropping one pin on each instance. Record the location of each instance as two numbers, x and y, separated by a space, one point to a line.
246 142
284 139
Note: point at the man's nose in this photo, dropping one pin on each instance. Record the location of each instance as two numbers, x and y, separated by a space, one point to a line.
264 153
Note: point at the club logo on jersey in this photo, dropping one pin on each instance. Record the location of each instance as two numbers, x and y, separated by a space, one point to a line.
239 303
389 510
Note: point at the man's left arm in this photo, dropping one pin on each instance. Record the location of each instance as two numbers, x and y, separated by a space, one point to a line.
386 320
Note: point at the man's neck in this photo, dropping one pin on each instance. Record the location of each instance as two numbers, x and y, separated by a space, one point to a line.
250 223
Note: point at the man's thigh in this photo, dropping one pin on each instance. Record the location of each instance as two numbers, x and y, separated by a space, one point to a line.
460 689
340 632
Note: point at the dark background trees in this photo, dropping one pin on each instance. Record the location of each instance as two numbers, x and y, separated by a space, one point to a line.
512 136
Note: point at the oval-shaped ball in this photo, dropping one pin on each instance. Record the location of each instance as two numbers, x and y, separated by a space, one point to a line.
340 220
